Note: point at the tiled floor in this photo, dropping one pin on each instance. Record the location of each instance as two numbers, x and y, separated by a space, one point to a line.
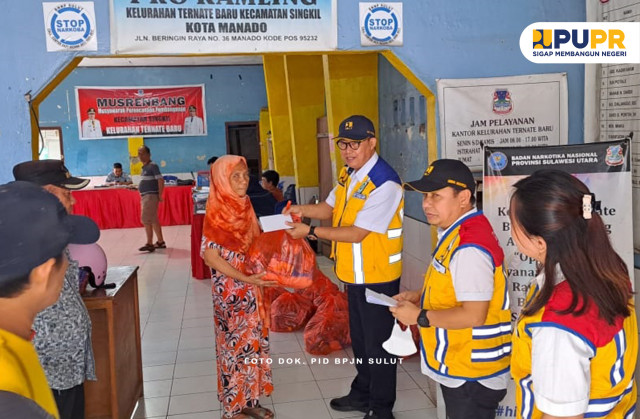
178 353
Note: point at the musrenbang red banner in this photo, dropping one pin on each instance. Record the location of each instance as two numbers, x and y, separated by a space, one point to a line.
168 111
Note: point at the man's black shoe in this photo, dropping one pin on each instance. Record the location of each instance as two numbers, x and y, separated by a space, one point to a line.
345 404
380 415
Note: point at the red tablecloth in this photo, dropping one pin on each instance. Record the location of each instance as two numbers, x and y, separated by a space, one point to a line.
198 269
120 208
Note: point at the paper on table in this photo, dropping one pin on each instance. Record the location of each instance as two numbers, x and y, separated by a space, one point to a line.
274 222
380 299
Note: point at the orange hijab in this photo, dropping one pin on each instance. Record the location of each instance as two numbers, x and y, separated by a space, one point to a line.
230 220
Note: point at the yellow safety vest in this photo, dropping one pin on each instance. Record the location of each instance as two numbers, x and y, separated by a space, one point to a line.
612 393
21 372
474 353
378 258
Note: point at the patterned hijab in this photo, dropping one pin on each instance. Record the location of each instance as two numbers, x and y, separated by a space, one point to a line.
230 220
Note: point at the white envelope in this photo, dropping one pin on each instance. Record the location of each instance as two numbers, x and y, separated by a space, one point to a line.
275 222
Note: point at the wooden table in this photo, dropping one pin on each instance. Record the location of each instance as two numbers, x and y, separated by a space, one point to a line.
115 318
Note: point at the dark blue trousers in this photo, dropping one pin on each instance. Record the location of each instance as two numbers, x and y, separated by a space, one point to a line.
370 326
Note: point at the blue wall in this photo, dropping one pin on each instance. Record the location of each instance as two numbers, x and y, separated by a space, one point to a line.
402 131
245 84
455 39
476 38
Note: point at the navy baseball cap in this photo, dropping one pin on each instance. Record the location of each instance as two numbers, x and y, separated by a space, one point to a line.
442 173
34 227
48 172
356 128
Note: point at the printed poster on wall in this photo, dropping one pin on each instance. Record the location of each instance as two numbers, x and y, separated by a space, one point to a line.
116 112
606 170
70 26
381 24
501 111
223 26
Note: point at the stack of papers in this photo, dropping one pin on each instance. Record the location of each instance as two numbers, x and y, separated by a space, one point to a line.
380 299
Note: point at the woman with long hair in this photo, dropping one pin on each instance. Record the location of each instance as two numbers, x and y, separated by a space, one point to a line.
575 345
242 347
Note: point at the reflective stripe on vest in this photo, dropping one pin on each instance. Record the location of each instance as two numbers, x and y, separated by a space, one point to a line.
358 268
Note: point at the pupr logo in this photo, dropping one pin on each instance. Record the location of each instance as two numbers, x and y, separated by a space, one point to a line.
581 42
542 38
554 39
69 26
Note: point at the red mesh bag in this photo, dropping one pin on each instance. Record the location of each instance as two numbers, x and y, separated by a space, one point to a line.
271 293
290 312
286 260
328 329
321 285
266 296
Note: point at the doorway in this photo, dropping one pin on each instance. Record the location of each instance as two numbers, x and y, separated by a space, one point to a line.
243 139
50 145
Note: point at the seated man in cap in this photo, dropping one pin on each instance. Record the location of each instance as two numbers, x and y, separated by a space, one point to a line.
464 318
366 208
35 230
63 331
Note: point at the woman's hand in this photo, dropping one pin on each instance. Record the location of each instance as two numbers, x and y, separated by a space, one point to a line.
406 312
213 259
256 279
411 296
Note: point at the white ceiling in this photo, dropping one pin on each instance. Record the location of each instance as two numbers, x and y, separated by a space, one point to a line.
171 61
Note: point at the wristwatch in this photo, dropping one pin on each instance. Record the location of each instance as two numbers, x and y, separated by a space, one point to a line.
312 232
423 320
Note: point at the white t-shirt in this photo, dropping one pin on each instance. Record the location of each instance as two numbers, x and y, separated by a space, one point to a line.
561 368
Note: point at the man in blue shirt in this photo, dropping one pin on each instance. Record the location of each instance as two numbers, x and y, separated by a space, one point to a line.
117 176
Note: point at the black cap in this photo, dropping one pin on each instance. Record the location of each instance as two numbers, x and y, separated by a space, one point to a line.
35 227
48 172
442 173
192 108
356 128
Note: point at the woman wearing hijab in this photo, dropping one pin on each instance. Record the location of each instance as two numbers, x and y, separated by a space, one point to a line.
244 373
